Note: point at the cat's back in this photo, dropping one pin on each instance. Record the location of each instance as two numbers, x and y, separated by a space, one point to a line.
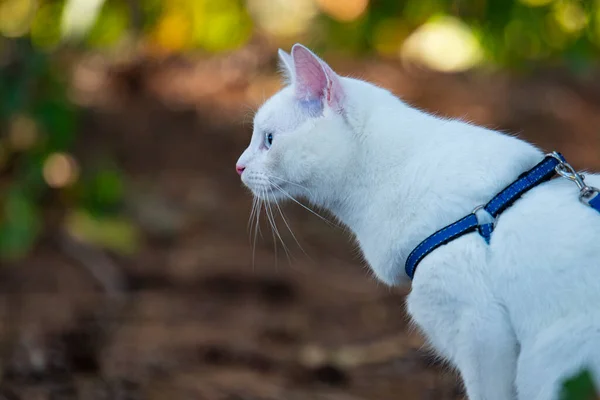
545 259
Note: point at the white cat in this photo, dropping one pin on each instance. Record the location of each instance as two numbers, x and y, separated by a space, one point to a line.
517 316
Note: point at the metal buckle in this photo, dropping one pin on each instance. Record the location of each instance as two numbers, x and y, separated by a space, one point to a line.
564 169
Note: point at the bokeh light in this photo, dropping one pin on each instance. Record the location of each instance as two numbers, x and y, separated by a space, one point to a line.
79 16
60 170
570 16
443 44
469 35
173 31
220 26
283 17
16 16
343 10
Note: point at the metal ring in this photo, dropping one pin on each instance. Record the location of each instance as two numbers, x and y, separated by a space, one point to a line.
482 207
554 154
479 207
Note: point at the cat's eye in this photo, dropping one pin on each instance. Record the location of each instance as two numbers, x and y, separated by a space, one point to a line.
268 139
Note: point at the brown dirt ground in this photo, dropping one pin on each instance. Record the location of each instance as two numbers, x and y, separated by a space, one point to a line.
195 317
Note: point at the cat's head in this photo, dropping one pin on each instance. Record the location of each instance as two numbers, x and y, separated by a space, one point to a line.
301 141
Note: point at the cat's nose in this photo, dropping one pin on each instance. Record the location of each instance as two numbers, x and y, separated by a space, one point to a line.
240 169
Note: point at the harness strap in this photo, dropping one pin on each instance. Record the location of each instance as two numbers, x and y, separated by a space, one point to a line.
483 218
595 202
443 236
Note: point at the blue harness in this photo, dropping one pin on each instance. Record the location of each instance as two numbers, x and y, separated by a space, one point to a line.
483 218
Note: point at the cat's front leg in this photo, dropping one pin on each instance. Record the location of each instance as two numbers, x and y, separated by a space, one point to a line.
476 338
486 354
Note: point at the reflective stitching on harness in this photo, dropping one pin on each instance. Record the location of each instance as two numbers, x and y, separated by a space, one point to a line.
485 230
520 186
437 241
543 171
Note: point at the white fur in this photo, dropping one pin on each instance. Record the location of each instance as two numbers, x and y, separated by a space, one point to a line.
516 316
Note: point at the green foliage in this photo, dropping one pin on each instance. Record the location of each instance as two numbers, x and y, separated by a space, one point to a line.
579 387
512 33
110 26
102 191
38 124
33 102
20 224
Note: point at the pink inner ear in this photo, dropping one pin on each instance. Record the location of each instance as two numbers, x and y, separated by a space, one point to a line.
315 80
311 81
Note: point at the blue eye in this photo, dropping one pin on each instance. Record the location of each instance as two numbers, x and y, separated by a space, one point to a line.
268 139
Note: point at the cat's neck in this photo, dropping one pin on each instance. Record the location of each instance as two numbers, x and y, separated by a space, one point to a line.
393 140
415 173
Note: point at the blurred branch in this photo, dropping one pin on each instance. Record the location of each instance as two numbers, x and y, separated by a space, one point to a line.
97 263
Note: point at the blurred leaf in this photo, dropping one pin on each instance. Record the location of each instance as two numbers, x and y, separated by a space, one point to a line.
45 29
151 11
351 36
388 35
220 26
111 24
19 224
112 233
103 191
579 387
19 75
577 55
418 12
58 119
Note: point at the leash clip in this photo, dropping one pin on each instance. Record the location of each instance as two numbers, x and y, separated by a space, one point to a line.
564 169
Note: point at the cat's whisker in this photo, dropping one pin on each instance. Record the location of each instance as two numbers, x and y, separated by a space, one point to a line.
266 203
302 205
291 183
290 229
256 229
250 218
260 206
276 230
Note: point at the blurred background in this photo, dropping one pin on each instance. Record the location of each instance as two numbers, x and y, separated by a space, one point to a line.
128 270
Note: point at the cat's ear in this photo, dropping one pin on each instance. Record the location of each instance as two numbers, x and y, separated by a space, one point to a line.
286 65
314 80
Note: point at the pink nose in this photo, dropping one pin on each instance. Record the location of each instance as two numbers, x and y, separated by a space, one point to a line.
240 169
